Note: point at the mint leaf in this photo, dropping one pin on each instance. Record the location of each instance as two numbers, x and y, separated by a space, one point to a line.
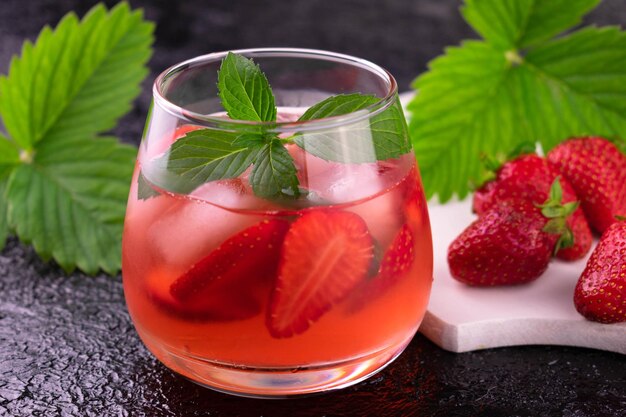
144 189
381 137
339 105
77 80
244 90
274 172
480 99
202 156
521 23
70 201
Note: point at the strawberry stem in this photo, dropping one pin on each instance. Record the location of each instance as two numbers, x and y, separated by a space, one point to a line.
557 213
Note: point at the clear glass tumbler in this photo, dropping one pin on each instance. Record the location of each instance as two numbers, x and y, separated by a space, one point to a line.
272 297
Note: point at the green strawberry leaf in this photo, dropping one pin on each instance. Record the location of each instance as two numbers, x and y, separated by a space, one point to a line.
61 187
70 201
202 156
4 225
274 173
463 109
513 24
244 90
9 155
480 99
9 158
380 137
77 80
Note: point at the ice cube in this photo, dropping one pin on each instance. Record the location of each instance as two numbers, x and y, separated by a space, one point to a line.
383 215
371 190
338 182
184 235
235 194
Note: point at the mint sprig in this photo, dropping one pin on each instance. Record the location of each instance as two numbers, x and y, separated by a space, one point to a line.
380 137
274 173
208 154
202 156
244 90
520 84
65 187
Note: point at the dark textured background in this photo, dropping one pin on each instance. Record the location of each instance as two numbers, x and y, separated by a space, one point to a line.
67 347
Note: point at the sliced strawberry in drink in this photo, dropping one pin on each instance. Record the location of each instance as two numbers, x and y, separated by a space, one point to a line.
233 280
225 303
325 255
398 258
394 264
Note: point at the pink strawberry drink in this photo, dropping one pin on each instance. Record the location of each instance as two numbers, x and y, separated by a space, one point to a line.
247 294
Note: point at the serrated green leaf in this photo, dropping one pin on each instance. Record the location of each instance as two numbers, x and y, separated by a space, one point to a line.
77 80
202 156
515 24
4 226
576 85
70 202
380 137
463 109
274 173
144 189
244 90
475 101
339 105
9 158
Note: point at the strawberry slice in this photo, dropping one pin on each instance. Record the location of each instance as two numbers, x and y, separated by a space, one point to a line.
397 260
226 303
325 255
395 263
233 280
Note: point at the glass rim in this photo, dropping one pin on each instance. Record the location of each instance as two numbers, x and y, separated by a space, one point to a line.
316 124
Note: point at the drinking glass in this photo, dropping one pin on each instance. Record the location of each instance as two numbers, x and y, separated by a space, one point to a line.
274 297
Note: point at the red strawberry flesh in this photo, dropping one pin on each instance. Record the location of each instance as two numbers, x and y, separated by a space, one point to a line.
325 255
226 303
600 293
232 280
394 264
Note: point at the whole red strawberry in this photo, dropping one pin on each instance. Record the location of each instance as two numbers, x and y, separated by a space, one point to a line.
597 170
530 177
512 242
506 245
600 294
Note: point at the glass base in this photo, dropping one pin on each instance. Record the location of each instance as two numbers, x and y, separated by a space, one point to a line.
280 383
